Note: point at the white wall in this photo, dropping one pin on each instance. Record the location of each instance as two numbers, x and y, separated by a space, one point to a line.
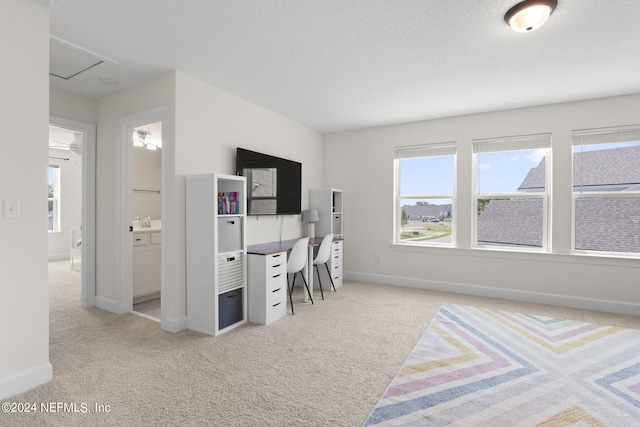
70 203
211 124
24 305
71 106
361 163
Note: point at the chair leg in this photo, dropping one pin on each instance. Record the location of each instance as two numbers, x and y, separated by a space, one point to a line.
330 278
289 293
307 286
319 280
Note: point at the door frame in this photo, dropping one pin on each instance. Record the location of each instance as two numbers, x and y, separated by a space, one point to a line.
123 205
88 248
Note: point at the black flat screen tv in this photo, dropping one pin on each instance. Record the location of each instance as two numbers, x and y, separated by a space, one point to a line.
274 185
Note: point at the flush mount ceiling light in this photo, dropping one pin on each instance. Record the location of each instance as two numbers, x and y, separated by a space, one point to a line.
530 14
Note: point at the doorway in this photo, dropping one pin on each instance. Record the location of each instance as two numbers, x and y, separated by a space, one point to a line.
72 148
140 207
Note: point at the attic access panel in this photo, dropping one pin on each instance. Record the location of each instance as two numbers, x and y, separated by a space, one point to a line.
67 60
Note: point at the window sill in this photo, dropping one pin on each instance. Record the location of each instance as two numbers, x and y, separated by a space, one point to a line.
523 254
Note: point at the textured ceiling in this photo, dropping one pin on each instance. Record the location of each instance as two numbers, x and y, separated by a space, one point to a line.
338 65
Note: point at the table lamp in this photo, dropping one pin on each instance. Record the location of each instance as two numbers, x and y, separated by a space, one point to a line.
310 216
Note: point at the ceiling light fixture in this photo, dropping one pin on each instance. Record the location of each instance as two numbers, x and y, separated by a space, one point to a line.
529 14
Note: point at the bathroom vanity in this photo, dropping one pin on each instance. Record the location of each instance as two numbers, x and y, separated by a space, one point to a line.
146 262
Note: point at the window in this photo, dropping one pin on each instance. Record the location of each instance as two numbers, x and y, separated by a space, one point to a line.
425 194
606 190
512 191
54 198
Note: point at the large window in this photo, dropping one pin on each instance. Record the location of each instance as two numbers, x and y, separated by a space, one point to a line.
54 198
606 190
425 194
511 197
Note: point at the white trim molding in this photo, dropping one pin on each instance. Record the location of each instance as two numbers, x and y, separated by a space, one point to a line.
25 380
485 291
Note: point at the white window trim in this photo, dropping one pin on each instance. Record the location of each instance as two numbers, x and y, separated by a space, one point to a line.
601 136
513 143
415 151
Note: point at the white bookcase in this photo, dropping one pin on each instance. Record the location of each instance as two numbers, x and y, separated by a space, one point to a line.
329 205
216 252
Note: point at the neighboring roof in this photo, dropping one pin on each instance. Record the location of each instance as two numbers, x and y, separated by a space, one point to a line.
601 168
519 222
594 217
511 222
422 211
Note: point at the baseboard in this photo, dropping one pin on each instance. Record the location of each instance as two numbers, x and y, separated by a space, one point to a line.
106 304
59 257
485 291
174 325
26 380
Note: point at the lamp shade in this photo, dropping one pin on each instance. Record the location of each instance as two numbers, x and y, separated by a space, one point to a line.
310 215
529 14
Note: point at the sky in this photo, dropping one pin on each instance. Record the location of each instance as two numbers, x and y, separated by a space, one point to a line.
498 172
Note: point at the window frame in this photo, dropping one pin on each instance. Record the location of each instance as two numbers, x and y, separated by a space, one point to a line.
440 149
55 200
600 136
507 144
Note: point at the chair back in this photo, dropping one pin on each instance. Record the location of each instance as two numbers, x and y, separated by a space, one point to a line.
298 256
324 252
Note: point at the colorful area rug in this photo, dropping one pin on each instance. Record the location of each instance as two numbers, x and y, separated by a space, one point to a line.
479 367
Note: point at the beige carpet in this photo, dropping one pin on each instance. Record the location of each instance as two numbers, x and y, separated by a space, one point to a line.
326 366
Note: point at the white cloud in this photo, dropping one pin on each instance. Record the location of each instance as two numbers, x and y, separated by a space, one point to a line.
484 166
513 158
536 155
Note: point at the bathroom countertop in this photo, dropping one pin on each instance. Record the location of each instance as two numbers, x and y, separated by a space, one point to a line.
144 229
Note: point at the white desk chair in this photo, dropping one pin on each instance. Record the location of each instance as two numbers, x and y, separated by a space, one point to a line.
323 258
295 264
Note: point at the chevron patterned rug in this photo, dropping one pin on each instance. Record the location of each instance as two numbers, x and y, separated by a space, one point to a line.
479 367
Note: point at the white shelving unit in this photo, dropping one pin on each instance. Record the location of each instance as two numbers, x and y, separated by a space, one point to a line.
329 203
216 253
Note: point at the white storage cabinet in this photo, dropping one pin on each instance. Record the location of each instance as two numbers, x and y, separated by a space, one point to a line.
216 253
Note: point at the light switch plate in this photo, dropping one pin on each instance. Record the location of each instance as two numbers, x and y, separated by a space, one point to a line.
11 208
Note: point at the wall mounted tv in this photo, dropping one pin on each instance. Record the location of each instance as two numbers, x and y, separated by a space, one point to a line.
274 185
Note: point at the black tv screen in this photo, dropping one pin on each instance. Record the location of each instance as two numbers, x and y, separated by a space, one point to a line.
274 185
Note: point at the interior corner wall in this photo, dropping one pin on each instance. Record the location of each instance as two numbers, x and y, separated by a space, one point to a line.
24 108
362 165
211 124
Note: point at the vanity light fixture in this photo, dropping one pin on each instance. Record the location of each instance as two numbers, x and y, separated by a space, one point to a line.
142 138
529 14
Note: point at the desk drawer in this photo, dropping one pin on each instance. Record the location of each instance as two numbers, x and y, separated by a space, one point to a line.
277 295
276 260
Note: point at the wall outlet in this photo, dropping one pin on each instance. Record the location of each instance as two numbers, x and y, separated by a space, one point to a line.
11 208
376 259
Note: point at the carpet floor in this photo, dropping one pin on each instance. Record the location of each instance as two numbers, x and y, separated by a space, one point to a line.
480 367
326 366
